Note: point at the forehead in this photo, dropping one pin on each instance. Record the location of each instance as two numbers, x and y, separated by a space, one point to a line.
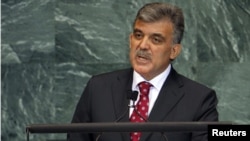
163 27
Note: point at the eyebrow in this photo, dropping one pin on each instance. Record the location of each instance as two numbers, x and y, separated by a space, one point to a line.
154 34
137 30
157 34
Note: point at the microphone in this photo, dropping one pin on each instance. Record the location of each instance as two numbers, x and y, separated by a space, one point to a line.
131 95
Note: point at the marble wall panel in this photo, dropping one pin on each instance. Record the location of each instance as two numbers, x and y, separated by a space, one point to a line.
50 49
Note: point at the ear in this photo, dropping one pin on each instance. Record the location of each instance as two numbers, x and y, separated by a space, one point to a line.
175 51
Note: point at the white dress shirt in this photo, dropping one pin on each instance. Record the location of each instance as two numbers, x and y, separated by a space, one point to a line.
157 83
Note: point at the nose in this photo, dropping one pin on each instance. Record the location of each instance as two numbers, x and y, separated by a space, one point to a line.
144 43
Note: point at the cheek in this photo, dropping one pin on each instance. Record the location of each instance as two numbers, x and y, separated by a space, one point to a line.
132 48
161 55
131 53
132 44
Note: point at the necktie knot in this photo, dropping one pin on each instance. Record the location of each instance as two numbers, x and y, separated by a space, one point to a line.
144 87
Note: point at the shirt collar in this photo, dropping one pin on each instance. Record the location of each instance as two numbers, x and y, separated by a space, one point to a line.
157 81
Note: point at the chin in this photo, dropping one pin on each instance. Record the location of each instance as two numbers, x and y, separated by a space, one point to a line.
142 69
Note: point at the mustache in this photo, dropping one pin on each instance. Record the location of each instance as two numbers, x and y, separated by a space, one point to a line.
143 54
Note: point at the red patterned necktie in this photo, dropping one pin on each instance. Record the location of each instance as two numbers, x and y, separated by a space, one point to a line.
140 113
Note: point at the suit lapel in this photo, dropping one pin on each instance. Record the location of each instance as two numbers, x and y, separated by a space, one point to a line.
169 96
120 89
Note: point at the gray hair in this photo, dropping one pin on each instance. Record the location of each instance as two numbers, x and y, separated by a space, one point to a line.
153 12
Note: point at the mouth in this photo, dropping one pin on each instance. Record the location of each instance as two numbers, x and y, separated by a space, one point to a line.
142 56
142 59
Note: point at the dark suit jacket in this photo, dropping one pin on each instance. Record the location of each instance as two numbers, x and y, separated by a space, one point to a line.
180 99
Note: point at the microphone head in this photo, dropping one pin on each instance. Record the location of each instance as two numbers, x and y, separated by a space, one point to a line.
132 95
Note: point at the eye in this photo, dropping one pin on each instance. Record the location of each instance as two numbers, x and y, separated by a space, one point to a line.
157 40
138 35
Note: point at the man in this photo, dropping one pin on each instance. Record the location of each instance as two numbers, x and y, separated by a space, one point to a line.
154 44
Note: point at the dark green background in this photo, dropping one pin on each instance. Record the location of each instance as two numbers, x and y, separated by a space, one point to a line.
50 48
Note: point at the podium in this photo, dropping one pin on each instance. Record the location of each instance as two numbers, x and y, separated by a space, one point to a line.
121 127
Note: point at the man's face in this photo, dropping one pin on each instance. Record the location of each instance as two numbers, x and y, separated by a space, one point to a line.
152 48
